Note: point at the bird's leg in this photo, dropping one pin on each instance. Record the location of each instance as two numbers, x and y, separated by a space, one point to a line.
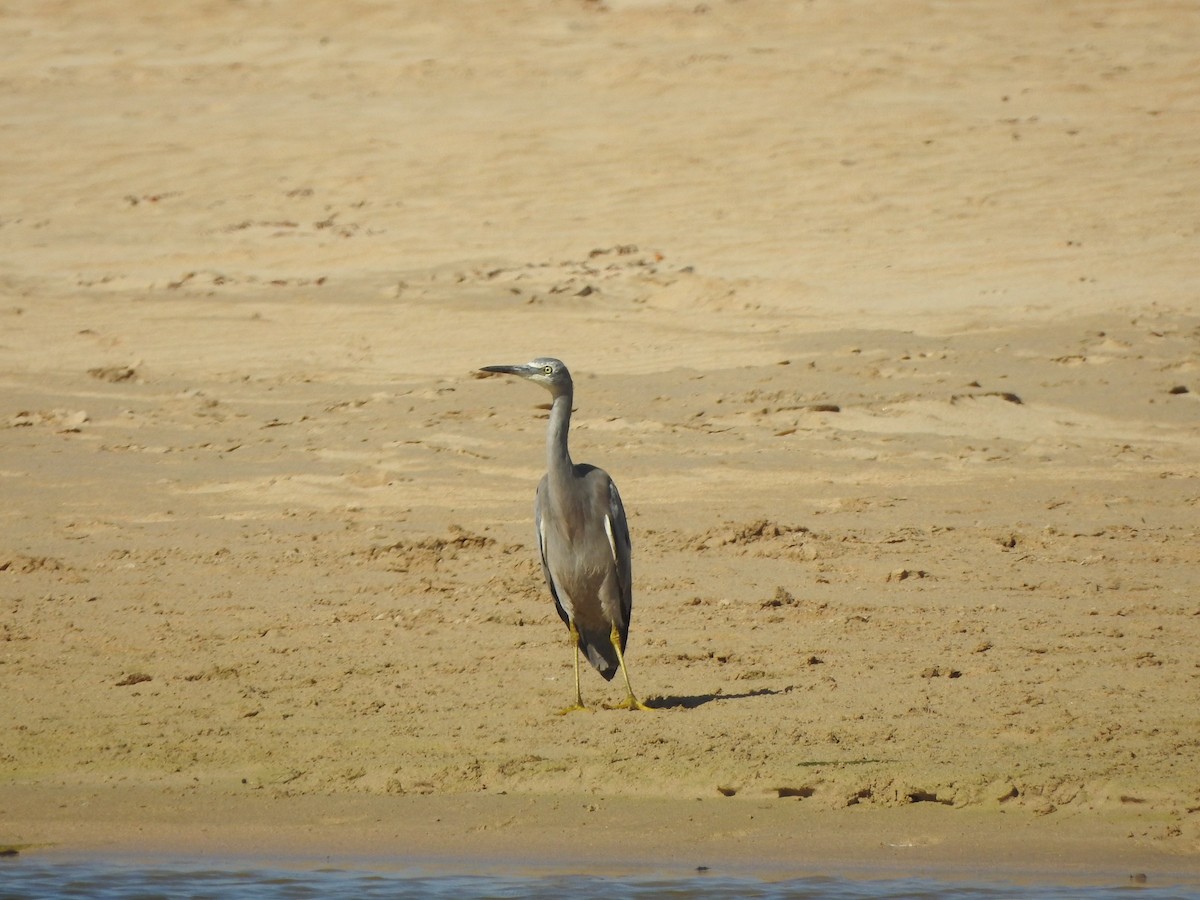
578 707
631 702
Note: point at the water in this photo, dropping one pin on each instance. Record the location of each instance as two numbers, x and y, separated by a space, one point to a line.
43 879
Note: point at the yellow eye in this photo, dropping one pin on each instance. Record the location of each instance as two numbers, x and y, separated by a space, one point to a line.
547 370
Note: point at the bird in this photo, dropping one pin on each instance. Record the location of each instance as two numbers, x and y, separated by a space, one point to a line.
583 540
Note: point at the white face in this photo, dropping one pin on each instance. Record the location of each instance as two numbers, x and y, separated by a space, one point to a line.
548 371
548 368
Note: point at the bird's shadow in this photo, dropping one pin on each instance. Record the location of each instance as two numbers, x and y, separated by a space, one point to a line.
696 700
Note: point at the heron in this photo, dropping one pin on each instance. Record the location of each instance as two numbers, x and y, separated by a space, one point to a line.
583 540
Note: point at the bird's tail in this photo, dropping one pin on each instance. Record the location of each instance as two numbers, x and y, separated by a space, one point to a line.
600 653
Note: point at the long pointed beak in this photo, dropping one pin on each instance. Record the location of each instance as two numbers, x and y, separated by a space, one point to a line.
524 371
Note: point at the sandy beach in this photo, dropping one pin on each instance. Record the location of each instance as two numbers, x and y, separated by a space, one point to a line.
885 318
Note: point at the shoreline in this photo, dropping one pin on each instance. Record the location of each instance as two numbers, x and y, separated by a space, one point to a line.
769 840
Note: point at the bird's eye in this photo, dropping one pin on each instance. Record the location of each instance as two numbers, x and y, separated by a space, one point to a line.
547 370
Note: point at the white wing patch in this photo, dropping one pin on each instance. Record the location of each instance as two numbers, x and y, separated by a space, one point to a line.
612 541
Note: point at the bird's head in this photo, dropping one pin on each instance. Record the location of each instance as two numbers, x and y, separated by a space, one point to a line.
548 372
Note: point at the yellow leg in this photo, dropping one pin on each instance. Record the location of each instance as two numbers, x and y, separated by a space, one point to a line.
631 702
578 707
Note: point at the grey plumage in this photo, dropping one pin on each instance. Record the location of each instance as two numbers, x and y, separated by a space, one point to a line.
583 538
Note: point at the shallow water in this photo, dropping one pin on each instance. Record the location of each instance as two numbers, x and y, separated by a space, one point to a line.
40 878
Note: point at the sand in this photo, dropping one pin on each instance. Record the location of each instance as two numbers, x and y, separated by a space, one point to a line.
883 318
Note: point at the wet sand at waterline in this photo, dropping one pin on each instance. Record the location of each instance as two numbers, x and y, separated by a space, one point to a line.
885 323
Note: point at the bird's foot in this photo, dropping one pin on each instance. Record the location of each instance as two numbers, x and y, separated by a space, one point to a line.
574 707
631 703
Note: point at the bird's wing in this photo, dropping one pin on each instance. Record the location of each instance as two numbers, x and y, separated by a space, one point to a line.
618 536
538 502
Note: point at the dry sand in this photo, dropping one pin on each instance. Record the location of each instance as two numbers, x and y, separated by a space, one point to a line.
884 317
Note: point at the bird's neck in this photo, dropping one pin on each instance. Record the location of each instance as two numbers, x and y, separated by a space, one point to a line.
558 456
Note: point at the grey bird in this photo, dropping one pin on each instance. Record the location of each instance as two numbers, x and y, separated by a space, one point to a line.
583 539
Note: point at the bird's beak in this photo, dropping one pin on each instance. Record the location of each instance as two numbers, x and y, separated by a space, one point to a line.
523 371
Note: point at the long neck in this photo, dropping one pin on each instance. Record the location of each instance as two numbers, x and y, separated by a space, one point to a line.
558 457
